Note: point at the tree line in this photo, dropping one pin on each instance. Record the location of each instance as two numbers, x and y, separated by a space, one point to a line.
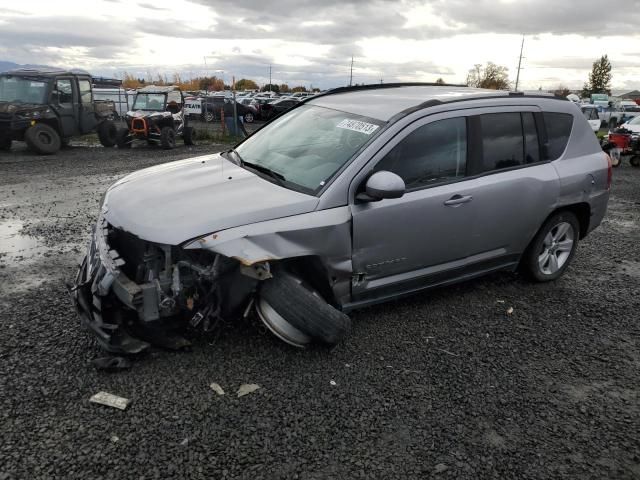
491 76
206 83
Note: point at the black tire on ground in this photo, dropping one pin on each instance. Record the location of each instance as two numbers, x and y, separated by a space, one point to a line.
5 144
122 138
248 118
530 260
167 138
64 142
107 133
42 139
189 135
635 161
302 309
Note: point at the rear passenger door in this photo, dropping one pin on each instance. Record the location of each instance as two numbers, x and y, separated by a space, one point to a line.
64 101
515 186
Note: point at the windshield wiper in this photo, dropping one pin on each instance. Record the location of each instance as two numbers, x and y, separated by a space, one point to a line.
262 169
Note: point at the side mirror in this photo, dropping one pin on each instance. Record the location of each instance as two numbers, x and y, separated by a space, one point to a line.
383 185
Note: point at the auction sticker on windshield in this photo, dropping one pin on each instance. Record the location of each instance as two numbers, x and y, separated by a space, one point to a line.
358 126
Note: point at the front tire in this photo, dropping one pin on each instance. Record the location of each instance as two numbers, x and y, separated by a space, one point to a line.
167 138
553 247
107 133
122 138
189 135
289 308
42 139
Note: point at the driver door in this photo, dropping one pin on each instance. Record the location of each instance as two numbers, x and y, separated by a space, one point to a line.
64 101
399 244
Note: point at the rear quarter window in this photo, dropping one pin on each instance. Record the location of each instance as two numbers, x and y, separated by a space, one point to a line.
558 127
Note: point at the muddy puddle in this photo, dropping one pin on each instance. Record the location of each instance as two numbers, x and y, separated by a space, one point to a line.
16 247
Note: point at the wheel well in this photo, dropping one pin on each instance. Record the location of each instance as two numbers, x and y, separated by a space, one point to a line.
582 211
312 270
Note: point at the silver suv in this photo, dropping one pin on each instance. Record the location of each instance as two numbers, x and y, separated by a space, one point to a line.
353 197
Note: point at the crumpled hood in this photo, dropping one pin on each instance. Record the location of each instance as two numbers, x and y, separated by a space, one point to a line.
183 200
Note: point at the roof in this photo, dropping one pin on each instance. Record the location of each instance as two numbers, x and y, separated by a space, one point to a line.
384 101
632 94
158 89
44 72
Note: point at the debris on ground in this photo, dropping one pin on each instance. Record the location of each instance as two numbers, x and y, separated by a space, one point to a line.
114 438
247 388
333 383
110 400
440 468
217 388
111 364
509 310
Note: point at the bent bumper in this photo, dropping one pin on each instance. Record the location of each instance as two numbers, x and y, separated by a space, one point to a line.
97 279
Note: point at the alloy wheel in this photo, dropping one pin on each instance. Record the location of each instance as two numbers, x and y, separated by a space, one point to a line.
556 248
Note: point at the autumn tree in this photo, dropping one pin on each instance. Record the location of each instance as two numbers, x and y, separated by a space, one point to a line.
599 78
284 88
299 88
246 84
492 76
211 84
271 88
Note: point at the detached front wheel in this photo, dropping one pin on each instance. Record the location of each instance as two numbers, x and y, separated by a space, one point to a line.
553 247
42 139
297 314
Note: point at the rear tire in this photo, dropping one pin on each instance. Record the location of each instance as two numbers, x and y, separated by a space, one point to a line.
303 309
42 139
5 144
167 138
553 248
189 135
635 161
122 138
107 133
248 118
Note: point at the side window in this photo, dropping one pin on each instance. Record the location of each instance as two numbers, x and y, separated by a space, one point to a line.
558 131
85 91
174 96
433 153
502 141
531 144
63 91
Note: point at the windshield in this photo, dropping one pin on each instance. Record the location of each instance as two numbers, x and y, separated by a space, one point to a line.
149 101
22 90
308 145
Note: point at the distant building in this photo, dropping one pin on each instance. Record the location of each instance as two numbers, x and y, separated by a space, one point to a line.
633 95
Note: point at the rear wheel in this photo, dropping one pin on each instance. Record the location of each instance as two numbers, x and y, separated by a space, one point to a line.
297 314
189 135
209 117
249 118
635 161
42 139
122 138
167 138
107 133
553 247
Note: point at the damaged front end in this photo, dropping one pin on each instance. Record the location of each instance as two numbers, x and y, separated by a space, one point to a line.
132 293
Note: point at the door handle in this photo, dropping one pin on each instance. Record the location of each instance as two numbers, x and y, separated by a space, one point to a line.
458 200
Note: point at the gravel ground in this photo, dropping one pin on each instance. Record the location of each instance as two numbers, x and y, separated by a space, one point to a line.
444 384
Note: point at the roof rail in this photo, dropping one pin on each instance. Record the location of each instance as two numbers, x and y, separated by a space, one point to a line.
377 86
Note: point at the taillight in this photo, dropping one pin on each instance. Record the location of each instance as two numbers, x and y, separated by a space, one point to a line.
609 171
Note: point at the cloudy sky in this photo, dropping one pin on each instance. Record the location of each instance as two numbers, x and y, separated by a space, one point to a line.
311 42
